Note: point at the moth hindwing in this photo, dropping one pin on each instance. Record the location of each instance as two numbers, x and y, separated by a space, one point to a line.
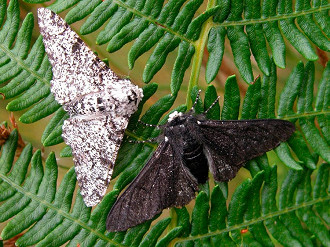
191 145
99 104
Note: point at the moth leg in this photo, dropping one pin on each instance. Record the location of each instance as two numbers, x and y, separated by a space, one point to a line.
151 140
149 125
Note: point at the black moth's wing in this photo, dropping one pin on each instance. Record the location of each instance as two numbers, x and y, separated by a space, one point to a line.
228 145
163 182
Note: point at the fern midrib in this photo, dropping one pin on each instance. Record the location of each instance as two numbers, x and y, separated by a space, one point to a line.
154 21
306 115
21 63
274 18
254 221
198 56
58 210
197 60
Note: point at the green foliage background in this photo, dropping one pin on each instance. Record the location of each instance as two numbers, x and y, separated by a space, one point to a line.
285 200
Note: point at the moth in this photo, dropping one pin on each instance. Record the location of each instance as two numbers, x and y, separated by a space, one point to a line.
190 146
99 104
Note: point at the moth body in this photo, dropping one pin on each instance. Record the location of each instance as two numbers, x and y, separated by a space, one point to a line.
184 130
189 147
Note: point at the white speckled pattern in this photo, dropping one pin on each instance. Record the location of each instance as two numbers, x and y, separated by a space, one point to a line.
98 102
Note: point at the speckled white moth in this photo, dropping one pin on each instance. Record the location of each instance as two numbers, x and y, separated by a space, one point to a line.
98 101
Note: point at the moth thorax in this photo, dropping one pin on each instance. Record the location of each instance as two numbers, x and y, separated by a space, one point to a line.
174 115
126 97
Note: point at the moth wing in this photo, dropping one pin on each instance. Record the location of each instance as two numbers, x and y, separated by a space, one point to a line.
163 182
77 71
94 160
228 145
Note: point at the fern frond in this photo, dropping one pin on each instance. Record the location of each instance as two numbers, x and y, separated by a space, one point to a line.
300 86
274 20
27 73
55 221
247 219
246 25
33 200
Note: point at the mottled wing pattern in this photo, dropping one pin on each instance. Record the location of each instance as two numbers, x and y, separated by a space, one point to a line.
228 145
76 69
95 143
163 182
98 102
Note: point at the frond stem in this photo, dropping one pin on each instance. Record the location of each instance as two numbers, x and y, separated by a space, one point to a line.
21 63
306 115
260 219
198 56
274 18
58 210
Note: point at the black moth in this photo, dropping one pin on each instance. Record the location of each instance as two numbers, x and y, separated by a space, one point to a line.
190 146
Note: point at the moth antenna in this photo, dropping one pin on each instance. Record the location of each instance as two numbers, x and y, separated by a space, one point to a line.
149 125
196 100
213 104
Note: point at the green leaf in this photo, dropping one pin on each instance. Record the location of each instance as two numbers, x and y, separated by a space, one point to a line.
268 91
284 154
36 210
320 190
61 5
199 219
310 28
175 232
81 10
274 224
231 102
323 102
313 222
286 199
151 238
251 101
53 131
305 101
237 207
290 91
211 103
300 148
292 33
181 64
215 47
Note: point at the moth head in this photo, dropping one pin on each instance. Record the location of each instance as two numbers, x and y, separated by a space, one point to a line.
177 118
174 115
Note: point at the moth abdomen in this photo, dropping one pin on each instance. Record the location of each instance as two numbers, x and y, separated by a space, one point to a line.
196 162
